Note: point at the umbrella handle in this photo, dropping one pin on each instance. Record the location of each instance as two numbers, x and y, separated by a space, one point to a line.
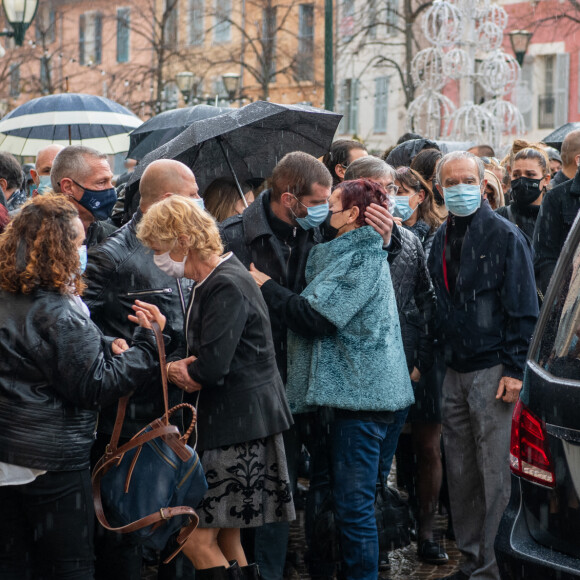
238 186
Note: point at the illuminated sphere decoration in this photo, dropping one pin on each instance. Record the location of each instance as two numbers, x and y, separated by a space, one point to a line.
428 113
443 23
457 64
427 68
499 73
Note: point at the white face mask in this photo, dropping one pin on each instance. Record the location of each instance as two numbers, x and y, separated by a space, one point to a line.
172 268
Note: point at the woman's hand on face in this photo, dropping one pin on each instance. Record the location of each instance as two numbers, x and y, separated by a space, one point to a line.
119 346
379 218
178 374
145 314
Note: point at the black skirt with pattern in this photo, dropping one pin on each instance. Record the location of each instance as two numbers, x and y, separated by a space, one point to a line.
248 485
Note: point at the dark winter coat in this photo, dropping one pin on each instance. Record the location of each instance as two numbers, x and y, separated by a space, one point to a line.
56 369
490 317
118 266
558 179
557 213
98 232
522 217
415 298
228 330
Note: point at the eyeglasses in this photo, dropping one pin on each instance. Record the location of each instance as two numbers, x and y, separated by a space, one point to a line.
489 160
392 189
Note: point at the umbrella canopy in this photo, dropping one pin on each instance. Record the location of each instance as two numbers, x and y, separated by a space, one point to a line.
555 138
246 143
165 126
67 119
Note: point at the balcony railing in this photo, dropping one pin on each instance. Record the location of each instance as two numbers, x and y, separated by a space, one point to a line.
546 111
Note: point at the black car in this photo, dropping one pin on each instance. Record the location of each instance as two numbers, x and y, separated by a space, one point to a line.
539 535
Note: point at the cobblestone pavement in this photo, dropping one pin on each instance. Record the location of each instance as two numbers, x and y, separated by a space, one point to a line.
404 563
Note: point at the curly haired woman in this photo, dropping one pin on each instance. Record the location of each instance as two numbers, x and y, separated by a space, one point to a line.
56 370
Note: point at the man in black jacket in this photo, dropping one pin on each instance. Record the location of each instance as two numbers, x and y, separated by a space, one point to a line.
119 271
481 268
273 238
557 214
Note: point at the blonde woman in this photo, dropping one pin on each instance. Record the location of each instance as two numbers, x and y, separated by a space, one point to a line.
231 366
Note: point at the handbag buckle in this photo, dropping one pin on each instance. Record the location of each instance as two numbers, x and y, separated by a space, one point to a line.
163 515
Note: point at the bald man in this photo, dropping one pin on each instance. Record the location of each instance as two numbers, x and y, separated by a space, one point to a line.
41 172
119 271
570 153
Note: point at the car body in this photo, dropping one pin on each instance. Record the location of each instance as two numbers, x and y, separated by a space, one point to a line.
539 535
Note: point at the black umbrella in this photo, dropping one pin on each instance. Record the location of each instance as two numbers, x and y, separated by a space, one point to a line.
246 143
165 126
555 138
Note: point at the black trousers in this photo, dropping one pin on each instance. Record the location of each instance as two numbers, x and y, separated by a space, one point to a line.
47 527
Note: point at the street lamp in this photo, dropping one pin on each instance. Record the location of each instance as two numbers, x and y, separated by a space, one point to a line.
231 84
19 14
520 39
187 83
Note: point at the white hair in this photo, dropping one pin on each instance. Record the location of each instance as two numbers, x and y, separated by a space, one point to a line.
454 156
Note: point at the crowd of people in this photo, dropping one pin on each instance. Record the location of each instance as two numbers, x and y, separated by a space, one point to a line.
351 308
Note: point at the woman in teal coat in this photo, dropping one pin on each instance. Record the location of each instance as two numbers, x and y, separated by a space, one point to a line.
356 377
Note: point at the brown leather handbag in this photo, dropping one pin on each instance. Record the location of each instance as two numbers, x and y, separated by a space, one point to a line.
150 485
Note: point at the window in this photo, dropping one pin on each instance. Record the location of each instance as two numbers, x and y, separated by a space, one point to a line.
381 104
349 106
346 19
123 22
391 8
305 57
222 21
559 344
196 22
372 18
45 24
14 80
90 38
269 43
171 23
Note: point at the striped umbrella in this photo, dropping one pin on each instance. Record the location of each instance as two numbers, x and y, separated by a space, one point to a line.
67 119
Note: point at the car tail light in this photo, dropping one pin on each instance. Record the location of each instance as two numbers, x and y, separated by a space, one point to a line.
529 451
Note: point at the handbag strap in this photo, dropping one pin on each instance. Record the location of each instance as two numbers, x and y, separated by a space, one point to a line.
123 401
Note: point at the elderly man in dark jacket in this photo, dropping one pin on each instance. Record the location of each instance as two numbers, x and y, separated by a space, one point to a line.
273 238
481 268
119 271
557 213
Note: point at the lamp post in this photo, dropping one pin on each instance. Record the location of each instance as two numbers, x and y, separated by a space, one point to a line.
231 84
520 39
19 14
187 83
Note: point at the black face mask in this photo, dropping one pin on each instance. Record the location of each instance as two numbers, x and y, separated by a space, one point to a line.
525 191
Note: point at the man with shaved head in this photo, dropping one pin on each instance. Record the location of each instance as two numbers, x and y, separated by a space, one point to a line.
41 172
119 271
570 153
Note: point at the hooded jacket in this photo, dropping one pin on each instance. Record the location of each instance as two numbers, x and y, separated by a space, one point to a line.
362 366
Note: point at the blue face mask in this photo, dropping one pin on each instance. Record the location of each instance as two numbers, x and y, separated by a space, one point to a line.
462 199
402 208
44 184
99 202
315 216
83 259
199 202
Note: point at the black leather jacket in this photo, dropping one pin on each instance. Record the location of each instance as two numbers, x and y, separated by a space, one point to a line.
121 265
415 301
56 369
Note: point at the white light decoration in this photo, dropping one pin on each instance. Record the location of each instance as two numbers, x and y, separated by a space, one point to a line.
457 64
442 24
428 113
499 73
472 123
489 36
460 30
427 68
508 118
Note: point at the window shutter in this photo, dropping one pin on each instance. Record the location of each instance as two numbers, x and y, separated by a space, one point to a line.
82 27
561 89
354 93
98 37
